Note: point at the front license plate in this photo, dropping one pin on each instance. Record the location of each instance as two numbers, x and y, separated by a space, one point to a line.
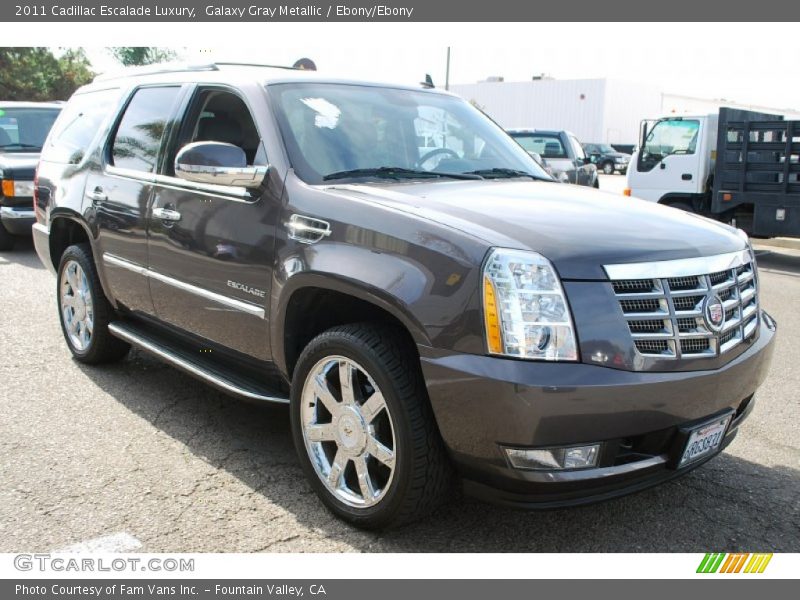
704 440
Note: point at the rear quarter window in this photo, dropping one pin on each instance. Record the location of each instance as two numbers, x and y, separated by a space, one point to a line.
77 126
137 140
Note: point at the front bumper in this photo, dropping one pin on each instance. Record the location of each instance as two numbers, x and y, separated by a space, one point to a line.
483 404
17 219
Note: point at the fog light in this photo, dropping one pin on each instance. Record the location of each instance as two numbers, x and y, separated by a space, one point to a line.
554 459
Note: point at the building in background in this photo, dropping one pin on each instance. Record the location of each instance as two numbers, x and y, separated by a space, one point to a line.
595 110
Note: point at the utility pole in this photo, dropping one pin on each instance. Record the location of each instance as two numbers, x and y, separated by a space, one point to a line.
447 72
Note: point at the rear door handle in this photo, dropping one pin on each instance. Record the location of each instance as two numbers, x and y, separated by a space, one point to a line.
166 214
97 195
686 176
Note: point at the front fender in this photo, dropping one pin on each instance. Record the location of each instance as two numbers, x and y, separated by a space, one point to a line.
432 299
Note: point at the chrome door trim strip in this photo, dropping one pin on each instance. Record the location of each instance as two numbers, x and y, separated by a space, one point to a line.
683 267
123 333
125 264
239 305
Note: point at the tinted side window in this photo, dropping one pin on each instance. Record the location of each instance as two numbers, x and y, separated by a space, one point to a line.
139 133
577 148
76 127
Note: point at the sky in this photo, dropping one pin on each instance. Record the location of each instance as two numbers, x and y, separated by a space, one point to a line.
717 60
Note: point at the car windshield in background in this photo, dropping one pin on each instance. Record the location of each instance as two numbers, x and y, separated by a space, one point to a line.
606 149
25 129
545 145
339 132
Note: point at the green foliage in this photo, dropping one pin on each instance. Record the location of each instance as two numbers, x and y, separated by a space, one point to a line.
36 74
141 55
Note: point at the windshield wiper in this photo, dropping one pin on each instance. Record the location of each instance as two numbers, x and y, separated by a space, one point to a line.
21 146
501 172
397 173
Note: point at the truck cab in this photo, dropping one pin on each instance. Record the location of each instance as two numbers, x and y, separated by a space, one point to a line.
675 160
739 167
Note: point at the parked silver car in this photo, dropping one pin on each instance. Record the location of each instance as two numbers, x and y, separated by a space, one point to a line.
562 152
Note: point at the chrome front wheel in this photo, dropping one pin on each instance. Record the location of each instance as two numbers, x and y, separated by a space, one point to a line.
348 431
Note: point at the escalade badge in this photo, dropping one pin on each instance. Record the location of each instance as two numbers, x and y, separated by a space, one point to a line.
714 313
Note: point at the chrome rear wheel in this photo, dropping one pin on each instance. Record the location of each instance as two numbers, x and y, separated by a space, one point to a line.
77 309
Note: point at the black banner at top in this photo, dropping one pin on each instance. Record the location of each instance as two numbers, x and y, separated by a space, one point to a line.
400 11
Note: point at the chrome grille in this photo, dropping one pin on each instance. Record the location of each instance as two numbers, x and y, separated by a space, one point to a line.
666 314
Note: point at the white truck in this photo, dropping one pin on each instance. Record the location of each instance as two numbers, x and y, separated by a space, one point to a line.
737 166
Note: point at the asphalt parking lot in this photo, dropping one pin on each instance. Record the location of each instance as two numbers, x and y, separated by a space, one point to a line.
142 450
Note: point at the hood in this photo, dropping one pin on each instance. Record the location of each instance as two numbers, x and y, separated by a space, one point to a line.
19 165
578 229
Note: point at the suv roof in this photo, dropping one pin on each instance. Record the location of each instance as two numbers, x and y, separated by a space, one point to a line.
230 72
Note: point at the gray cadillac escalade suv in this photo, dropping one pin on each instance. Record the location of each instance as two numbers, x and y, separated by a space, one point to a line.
387 261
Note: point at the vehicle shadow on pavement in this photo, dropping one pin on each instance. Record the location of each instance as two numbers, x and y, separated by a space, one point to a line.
23 254
729 504
779 261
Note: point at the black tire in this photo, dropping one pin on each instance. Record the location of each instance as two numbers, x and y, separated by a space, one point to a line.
423 475
6 239
608 167
102 347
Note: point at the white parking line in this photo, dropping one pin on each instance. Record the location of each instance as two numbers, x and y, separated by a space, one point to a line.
116 542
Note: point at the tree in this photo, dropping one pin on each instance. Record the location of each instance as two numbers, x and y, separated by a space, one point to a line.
141 55
36 74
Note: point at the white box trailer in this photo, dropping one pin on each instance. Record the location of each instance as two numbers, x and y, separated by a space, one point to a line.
595 110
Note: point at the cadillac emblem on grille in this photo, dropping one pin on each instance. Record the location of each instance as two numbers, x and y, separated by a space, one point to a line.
714 312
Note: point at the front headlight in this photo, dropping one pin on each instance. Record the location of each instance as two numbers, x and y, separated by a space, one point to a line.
525 309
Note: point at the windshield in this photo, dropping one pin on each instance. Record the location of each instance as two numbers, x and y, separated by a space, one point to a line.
605 148
25 129
338 131
670 136
545 145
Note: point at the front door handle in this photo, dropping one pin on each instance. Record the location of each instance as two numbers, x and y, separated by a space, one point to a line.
166 214
97 195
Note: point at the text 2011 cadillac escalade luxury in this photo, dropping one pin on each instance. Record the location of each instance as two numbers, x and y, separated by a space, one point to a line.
396 268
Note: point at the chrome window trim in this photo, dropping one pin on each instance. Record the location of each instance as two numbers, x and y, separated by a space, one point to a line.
239 305
238 193
682 267
145 176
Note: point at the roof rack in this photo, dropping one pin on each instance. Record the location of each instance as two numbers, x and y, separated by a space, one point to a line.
179 68
155 70
250 64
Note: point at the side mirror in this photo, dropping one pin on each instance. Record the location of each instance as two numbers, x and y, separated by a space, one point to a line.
537 157
217 163
587 160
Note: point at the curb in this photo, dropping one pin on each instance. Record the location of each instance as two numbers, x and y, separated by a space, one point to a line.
780 242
